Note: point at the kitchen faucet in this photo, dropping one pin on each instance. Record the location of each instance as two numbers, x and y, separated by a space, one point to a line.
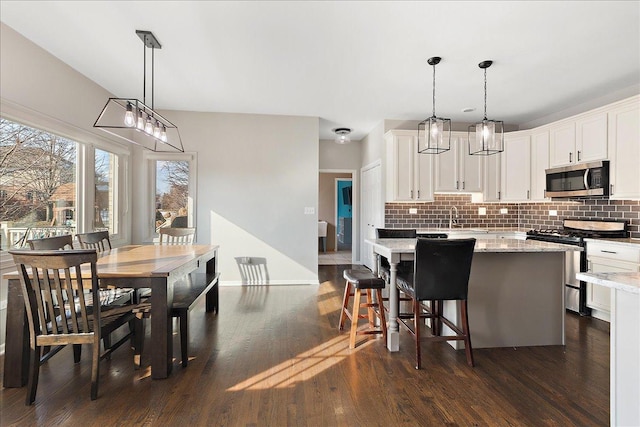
453 220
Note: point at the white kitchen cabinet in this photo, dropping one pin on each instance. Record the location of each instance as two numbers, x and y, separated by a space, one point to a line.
562 144
516 167
539 162
581 139
492 191
409 173
624 149
456 170
603 257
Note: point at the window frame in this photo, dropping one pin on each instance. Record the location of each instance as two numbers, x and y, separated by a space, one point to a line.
150 159
86 143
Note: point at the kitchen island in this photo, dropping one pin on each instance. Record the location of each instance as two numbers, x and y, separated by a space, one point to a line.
516 292
624 342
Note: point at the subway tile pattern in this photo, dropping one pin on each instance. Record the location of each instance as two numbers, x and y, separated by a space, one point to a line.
522 215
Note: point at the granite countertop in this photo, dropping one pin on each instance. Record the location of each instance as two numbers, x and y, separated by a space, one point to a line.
499 245
624 242
628 282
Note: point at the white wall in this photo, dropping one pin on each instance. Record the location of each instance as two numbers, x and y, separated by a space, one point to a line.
256 175
339 156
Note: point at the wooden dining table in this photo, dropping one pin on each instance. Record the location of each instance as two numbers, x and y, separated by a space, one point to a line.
157 267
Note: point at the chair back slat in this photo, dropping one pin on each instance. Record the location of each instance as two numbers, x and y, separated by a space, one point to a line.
442 268
55 242
52 281
98 240
177 236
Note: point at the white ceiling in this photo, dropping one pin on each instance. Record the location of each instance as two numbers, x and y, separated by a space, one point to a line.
353 64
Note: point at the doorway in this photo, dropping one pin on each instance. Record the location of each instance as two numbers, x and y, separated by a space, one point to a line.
344 217
337 206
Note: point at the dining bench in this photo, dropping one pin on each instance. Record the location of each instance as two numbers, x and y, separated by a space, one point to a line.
187 293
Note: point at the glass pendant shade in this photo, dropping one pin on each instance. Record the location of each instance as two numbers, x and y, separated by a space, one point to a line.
486 137
434 133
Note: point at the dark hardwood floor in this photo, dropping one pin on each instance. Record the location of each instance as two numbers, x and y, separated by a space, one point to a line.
273 357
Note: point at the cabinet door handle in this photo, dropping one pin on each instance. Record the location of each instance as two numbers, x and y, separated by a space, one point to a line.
457 185
412 194
418 194
611 189
463 184
608 252
570 157
499 195
578 155
527 194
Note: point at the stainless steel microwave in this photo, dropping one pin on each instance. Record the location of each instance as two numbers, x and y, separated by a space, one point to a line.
579 180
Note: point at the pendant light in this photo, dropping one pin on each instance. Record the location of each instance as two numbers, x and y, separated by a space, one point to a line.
342 135
434 133
133 121
487 136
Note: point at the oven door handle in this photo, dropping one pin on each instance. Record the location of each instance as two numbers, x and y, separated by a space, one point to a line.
586 178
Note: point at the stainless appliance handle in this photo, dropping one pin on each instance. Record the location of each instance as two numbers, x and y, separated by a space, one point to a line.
586 179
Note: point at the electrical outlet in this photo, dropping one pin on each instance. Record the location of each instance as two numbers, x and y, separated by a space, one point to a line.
504 211
309 210
413 211
482 211
553 213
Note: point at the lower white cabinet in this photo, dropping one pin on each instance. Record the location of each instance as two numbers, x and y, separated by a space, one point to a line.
603 257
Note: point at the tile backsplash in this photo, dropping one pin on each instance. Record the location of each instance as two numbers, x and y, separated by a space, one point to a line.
522 215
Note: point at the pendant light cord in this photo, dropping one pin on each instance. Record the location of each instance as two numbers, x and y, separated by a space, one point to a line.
144 70
485 94
434 90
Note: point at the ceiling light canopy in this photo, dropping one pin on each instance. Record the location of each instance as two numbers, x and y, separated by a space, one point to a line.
342 135
487 136
134 121
434 133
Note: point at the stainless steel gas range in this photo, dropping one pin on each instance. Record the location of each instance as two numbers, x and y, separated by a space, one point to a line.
573 232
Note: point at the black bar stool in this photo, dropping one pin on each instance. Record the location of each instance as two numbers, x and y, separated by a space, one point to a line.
363 280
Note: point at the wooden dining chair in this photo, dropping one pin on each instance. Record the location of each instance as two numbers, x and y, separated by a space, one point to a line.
176 236
441 272
98 240
109 296
55 242
70 278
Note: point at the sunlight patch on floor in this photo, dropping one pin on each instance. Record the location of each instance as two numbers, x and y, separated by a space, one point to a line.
301 367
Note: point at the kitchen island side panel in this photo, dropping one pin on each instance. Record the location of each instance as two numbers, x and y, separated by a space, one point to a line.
516 299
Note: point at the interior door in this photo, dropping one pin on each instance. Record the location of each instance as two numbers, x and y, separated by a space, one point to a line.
372 212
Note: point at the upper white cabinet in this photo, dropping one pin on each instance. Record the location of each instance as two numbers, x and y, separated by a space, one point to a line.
624 150
409 173
580 140
516 167
539 162
456 170
591 137
492 181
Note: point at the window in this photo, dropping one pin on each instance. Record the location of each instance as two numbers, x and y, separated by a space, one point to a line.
173 189
105 200
37 176
40 195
